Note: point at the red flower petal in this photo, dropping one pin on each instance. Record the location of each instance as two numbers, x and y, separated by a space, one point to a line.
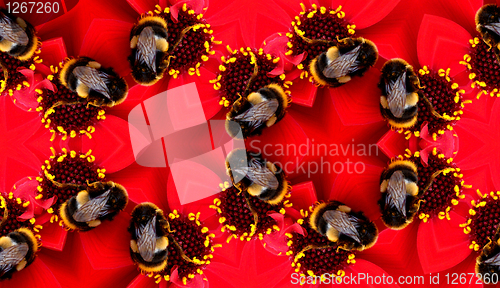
142 281
53 236
35 275
366 13
393 144
442 244
197 282
107 246
302 91
117 153
434 34
142 6
368 269
303 195
98 41
53 52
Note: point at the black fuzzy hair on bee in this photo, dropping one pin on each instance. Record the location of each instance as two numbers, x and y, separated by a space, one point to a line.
142 71
366 58
270 92
368 232
390 73
19 236
116 202
116 85
20 51
488 25
391 215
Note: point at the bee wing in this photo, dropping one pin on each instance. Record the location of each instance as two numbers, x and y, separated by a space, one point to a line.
343 223
397 95
263 177
259 113
495 260
146 243
342 65
94 79
396 190
13 32
495 27
146 48
12 255
92 209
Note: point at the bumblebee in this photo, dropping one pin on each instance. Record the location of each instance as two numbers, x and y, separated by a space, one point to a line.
400 194
17 37
260 178
257 111
96 85
349 57
346 228
149 232
17 250
149 58
488 25
100 201
488 262
400 93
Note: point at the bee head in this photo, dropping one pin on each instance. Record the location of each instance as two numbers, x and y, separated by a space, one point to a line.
368 54
144 75
118 197
143 212
488 14
393 68
368 234
393 218
118 89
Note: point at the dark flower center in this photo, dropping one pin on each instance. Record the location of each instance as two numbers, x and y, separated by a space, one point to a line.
443 181
483 67
445 98
237 70
317 24
316 261
10 77
483 221
68 168
67 119
15 208
194 242
240 219
195 44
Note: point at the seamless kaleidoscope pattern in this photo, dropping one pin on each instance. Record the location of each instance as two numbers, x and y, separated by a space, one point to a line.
370 128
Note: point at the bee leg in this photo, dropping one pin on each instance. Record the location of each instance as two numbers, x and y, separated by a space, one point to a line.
383 186
94 64
133 42
411 99
344 208
94 223
162 243
333 234
21 265
162 45
412 189
21 22
133 246
344 79
271 121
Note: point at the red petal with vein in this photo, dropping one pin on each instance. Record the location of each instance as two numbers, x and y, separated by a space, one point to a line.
434 34
302 91
117 153
393 144
286 132
53 52
368 269
53 236
256 268
442 244
366 13
107 246
142 281
97 43
35 275
358 101
196 282
303 195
